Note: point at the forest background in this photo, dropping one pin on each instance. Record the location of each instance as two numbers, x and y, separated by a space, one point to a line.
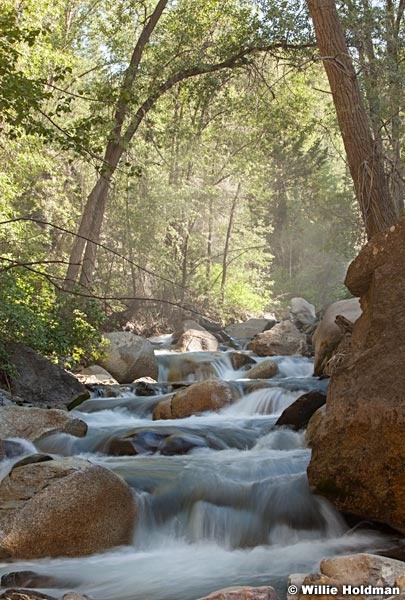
231 191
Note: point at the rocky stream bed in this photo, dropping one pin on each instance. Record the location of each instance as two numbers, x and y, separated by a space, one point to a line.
220 497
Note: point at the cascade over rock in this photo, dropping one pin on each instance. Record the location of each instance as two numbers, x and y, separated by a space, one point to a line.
358 445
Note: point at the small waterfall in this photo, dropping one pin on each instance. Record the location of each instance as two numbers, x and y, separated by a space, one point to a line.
196 366
266 401
22 448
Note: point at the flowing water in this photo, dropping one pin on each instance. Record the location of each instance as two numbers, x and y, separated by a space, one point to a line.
235 510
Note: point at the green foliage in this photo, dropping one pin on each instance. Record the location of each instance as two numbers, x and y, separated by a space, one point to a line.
53 324
264 126
246 293
20 94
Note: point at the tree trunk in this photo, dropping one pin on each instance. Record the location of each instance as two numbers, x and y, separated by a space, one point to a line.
364 157
90 225
393 28
228 241
209 238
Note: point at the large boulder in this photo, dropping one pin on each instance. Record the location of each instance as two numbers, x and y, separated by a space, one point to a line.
264 370
186 326
210 395
297 415
361 571
95 375
39 382
163 410
248 329
33 423
64 507
194 340
283 339
177 368
243 593
128 357
328 335
303 313
358 447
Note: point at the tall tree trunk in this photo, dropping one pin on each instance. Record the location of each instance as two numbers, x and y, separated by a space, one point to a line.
209 238
228 241
364 157
90 224
393 27
93 215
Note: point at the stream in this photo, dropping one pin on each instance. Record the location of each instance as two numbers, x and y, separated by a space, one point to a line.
235 512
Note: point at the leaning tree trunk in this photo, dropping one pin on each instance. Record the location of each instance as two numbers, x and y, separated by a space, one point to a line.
365 160
91 222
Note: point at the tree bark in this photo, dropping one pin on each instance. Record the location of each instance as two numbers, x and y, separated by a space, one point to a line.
93 215
228 241
364 157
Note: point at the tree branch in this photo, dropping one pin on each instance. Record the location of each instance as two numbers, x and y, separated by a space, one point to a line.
237 60
130 74
99 244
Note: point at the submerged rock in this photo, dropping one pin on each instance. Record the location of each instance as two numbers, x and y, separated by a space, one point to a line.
31 579
129 357
240 359
65 507
358 448
283 339
33 423
32 459
181 443
169 441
